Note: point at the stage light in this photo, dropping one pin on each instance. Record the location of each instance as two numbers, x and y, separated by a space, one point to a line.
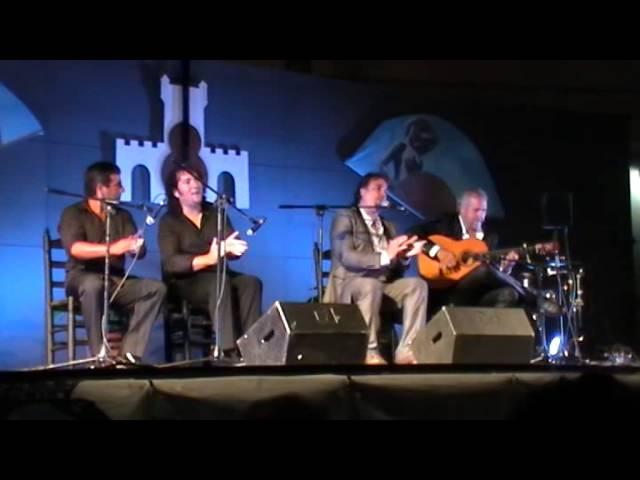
554 346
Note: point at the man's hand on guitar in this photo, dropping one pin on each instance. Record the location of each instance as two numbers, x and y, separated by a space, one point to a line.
447 259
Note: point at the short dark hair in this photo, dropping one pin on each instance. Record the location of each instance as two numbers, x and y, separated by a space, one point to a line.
98 173
365 181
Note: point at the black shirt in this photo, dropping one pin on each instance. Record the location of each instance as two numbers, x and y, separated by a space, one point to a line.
180 240
79 224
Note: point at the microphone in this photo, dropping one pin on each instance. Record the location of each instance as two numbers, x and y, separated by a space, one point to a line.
151 217
387 204
257 223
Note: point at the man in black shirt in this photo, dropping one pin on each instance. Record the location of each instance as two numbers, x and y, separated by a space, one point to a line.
188 240
82 230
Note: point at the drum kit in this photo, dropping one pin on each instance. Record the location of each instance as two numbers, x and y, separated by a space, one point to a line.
557 280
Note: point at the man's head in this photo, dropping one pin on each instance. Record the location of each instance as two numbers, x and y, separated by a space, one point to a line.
102 180
372 190
183 189
472 208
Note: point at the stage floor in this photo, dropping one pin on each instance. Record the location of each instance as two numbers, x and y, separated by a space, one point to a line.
359 392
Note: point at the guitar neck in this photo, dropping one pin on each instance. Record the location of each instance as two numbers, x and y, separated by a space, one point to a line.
497 254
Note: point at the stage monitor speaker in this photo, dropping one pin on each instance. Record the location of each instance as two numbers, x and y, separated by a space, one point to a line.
475 335
306 334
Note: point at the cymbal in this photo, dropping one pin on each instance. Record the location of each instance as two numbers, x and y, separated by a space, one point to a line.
555 264
550 263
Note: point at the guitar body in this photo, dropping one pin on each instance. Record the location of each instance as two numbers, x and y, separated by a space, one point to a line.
438 277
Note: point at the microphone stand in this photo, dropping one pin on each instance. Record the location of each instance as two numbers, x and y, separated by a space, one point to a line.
221 266
104 325
318 248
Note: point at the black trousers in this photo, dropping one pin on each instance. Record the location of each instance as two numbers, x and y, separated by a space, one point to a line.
144 298
240 305
485 286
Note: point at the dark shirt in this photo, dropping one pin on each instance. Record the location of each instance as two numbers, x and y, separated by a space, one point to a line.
180 241
79 224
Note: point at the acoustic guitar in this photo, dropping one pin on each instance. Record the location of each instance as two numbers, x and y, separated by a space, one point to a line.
470 254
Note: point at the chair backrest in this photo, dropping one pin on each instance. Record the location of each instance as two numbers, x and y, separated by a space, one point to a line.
54 268
325 266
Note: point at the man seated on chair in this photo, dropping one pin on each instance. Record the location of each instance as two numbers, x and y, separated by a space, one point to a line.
188 238
368 261
82 230
488 285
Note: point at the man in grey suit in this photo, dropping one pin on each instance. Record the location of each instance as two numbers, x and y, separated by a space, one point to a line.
368 261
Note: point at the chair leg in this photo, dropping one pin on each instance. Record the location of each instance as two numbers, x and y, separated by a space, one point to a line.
71 330
168 347
187 330
49 333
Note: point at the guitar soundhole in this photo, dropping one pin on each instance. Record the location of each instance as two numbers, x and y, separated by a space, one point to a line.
469 257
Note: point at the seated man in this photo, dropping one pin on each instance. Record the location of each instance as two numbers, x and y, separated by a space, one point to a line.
368 261
188 238
487 285
82 230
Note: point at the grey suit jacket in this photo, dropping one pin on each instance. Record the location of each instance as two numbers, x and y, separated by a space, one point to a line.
353 255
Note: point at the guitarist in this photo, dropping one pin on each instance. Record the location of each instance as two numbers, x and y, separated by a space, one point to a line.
488 285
